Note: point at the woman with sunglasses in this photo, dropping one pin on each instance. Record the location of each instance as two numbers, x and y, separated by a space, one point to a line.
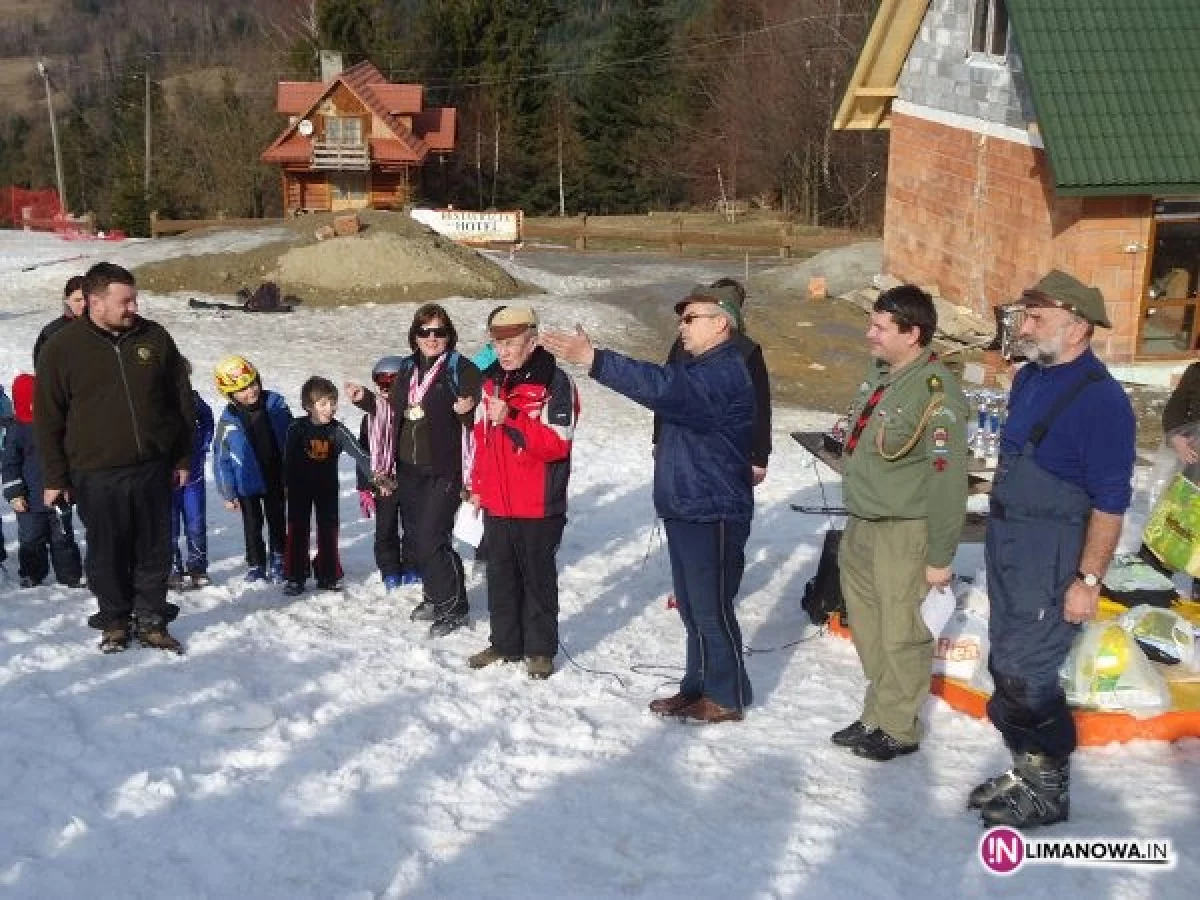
433 401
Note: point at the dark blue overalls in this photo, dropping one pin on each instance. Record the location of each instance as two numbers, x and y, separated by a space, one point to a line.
1035 534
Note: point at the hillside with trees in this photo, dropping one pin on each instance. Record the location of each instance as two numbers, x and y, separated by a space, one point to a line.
601 106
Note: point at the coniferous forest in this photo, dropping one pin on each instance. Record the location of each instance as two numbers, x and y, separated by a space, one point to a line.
598 106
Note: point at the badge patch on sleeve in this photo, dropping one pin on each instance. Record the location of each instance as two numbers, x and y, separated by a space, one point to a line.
941 438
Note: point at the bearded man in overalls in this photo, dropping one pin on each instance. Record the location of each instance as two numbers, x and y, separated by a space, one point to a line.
1061 490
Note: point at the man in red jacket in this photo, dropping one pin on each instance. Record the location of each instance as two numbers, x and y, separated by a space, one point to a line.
523 433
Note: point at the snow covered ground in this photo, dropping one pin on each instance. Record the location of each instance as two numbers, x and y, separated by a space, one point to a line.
325 747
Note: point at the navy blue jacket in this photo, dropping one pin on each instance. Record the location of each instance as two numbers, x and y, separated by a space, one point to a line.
236 469
705 403
21 471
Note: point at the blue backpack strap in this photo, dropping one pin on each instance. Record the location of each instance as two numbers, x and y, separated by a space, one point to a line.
452 368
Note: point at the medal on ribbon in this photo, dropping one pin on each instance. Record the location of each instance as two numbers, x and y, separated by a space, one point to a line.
419 387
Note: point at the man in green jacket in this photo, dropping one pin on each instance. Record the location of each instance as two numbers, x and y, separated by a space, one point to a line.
114 420
905 489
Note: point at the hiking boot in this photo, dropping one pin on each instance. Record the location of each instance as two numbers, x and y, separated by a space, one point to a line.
175 581
539 667
115 638
445 624
327 585
709 712
158 638
485 658
391 583
199 580
27 582
293 589
881 746
1039 794
255 573
425 611
852 735
669 706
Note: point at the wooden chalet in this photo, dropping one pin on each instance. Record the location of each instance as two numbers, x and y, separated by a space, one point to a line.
1036 134
355 141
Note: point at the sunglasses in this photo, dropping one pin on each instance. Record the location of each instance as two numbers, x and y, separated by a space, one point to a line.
427 332
385 380
689 318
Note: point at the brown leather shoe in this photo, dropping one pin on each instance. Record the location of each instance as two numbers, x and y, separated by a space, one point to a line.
707 712
669 706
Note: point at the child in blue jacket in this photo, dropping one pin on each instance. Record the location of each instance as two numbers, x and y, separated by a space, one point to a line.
45 534
6 412
191 571
248 463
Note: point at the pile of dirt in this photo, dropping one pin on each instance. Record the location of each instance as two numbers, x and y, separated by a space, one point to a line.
392 259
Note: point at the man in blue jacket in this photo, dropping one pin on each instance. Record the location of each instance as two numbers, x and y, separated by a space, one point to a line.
703 486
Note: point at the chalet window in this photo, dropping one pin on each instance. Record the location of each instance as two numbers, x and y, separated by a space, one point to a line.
989 29
1169 325
343 130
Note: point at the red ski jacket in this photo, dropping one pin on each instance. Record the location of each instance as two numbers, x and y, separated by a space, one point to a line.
522 465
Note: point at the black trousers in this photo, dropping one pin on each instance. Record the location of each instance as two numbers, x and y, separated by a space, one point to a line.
522 582
267 507
393 554
45 537
303 501
126 513
427 507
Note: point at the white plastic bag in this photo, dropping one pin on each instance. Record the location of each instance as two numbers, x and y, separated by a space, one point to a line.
937 608
962 648
468 524
1106 670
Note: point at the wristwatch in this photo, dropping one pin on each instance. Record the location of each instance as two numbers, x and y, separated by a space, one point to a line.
1088 578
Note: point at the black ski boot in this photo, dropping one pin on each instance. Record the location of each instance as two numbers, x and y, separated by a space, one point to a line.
1038 795
425 611
985 791
452 620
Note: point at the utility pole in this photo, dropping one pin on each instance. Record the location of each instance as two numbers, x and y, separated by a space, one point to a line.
146 181
58 172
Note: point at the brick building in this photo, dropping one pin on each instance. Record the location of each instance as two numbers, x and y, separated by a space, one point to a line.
1031 134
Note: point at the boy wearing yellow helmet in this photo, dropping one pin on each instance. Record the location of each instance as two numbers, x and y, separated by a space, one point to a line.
248 463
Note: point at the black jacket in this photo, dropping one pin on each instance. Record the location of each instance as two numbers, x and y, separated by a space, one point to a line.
49 331
760 450
1183 407
105 401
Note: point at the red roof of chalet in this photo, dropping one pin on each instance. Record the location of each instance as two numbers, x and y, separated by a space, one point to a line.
432 129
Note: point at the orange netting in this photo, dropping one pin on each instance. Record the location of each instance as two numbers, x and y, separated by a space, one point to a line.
40 209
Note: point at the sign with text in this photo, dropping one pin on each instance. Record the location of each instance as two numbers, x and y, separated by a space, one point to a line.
469 227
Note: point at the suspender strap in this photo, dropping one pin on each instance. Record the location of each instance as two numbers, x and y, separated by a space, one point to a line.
1065 399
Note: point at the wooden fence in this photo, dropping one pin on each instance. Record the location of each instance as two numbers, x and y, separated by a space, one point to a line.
160 226
581 231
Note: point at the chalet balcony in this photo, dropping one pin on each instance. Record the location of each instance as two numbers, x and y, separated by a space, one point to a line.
341 156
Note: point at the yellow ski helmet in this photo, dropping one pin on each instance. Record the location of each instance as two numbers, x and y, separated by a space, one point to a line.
234 373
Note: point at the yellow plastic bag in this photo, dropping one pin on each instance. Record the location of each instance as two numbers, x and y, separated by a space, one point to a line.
1173 529
1107 670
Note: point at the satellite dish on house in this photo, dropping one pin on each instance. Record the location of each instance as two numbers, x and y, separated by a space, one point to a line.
305 127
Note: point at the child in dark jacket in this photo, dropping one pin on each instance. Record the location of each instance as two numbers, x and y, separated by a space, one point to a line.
45 534
191 570
248 463
310 457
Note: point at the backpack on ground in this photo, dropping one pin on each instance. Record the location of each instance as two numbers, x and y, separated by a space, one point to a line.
823 593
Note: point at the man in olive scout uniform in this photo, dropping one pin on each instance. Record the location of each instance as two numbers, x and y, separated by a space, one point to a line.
905 488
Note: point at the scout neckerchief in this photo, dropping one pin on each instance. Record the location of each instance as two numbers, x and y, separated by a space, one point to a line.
418 387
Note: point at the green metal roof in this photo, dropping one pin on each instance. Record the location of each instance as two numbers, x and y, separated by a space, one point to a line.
1116 91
